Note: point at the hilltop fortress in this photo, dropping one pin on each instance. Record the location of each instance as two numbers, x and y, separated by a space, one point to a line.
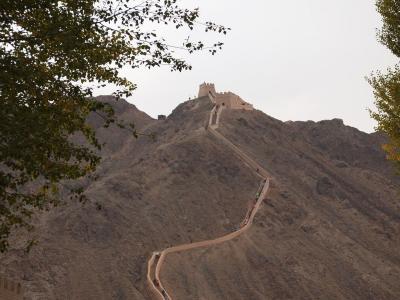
227 99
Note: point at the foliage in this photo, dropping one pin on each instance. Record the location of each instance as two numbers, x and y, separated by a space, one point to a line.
53 54
387 85
389 35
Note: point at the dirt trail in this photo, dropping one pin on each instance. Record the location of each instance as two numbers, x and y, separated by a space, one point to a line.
158 258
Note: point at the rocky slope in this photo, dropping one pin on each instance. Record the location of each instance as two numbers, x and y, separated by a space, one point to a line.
328 230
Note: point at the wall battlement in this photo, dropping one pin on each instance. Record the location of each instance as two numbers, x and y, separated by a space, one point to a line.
206 88
226 99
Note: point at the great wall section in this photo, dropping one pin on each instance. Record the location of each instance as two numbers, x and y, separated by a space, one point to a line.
225 99
221 101
10 290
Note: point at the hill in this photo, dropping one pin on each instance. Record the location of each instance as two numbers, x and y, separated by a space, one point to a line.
329 228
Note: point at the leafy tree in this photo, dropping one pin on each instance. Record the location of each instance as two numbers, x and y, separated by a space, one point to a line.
387 85
53 54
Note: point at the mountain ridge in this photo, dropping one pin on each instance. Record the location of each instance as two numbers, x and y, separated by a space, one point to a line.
332 184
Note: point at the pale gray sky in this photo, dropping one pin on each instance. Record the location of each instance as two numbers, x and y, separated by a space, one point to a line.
294 60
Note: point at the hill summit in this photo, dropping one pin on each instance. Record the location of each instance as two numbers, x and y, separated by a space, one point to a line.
329 227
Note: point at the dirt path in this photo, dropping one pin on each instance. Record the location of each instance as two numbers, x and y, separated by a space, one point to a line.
158 258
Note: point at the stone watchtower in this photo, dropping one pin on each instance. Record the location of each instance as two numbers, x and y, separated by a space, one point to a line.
206 88
227 99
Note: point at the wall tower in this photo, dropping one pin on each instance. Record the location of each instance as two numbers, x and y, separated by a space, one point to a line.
206 88
227 99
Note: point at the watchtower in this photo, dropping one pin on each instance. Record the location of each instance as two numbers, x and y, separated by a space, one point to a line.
227 99
206 88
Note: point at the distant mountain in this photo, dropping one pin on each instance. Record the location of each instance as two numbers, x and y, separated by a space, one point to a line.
329 229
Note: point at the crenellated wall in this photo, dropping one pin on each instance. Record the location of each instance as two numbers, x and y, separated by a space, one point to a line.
226 99
10 290
206 88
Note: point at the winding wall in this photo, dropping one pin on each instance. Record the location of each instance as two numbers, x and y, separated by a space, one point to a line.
157 259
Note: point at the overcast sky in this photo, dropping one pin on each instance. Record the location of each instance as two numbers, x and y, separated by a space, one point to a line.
294 60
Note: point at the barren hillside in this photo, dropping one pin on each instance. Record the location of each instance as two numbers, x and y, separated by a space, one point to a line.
329 229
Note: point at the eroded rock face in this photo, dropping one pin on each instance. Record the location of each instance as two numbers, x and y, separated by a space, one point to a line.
329 229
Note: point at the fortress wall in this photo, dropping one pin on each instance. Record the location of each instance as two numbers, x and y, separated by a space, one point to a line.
206 88
232 101
227 99
10 290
